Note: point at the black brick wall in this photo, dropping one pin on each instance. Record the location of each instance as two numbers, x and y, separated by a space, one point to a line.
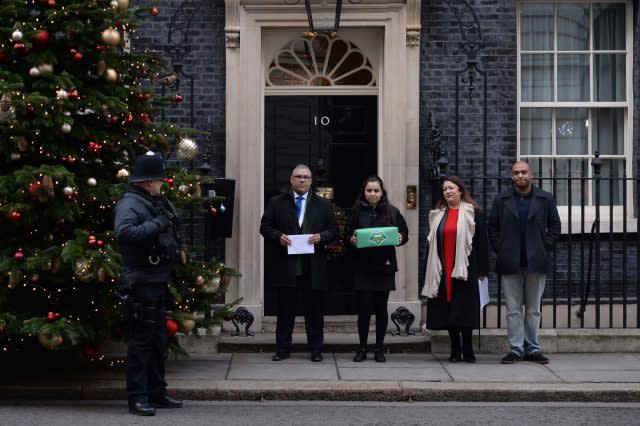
205 66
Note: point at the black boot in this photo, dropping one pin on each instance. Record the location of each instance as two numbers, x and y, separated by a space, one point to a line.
467 346
454 337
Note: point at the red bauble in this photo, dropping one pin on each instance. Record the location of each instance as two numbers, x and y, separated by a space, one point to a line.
94 148
100 243
73 94
51 316
144 96
30 109
143 117
33 190
42 38
78 57
70 160
177 98
15 216
143 141
172 327
169 181
51 3
91 353
3 56
92 243
101 48
18 256
2 329
228 317
155 11
213 211
20 47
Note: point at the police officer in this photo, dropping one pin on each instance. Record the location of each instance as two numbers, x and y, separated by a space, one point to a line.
145 231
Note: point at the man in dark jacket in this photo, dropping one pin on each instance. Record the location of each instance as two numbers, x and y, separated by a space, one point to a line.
298 212
523 226
145 230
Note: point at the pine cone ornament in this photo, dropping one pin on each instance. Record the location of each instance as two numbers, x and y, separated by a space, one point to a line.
168 80
101 67
22 144
47 184
82 270
102 275
104 110
163 143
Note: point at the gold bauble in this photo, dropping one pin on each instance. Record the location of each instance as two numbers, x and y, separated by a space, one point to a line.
186 325
111 36
111 75
45 341
123 4
45 68
123 174
187 149
82 270
199 280
212 285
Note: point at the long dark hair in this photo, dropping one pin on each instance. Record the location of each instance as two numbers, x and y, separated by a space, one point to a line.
464 194
384 204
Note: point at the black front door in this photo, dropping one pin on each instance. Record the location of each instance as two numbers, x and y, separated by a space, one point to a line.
340 132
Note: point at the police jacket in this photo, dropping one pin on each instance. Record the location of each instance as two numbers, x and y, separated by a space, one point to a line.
145 232
378 259
542 231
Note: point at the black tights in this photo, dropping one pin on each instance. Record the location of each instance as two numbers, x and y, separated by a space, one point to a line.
456 348
372 302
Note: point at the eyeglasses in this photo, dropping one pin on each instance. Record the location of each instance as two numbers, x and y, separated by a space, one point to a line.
302 177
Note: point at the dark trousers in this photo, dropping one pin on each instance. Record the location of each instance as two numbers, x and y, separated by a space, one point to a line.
313 302
372 302
148 343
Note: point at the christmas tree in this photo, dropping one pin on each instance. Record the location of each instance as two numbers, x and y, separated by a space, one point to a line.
77 107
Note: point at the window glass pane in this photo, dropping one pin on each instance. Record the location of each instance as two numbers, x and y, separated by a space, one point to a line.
537 78
572 131
611 185
608 26
542 172
536 27
579 195
573 27
608 130
610 76
535 131
573 78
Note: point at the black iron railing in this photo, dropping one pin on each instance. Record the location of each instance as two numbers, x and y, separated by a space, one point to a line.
594 268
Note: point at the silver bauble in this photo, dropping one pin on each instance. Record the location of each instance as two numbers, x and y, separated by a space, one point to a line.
92 181
17 35
67 190
187 149
66 128
123 174
34 72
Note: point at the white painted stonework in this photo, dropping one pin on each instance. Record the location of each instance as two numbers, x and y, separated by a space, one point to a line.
387 31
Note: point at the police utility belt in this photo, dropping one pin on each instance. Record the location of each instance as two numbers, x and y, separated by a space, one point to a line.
163 250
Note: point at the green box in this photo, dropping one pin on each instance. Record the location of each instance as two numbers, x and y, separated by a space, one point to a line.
377 237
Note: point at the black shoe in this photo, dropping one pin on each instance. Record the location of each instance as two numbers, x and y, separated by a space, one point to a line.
165 401
361 355
142 409
316 357
511 358
455 358
537 357
470 358
379 356
279 356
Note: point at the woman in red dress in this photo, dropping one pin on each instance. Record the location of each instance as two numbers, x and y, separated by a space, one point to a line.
458 257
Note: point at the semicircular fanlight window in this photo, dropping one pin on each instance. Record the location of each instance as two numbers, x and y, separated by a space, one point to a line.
321 61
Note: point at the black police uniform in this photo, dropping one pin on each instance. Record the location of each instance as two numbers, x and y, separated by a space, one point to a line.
145 231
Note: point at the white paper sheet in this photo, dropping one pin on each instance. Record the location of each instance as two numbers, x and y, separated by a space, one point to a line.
300 244
483 288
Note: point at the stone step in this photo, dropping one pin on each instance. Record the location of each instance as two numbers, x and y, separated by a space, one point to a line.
333 342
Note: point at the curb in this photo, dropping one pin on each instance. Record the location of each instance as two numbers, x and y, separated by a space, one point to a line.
388 391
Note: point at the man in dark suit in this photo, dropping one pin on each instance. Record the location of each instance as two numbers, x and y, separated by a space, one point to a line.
298 212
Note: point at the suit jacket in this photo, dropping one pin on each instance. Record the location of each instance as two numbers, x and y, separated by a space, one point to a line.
543 229
280 218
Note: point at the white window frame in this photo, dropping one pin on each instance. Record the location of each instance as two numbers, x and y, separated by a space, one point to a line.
608 222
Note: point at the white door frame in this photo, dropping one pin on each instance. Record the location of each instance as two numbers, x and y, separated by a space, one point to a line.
398 97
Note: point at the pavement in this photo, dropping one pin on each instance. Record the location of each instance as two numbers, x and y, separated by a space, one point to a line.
576 377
